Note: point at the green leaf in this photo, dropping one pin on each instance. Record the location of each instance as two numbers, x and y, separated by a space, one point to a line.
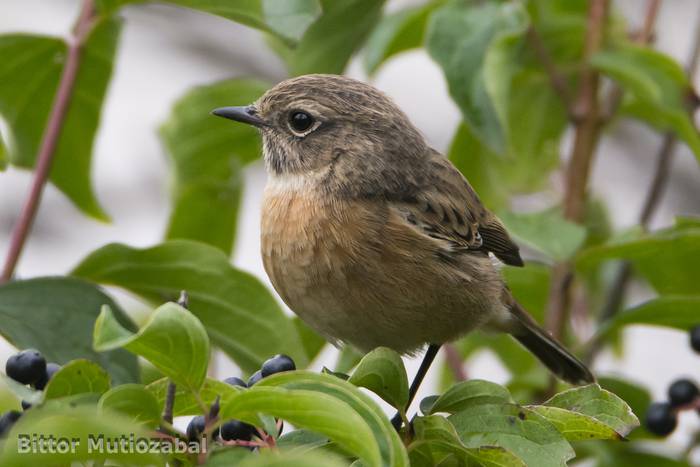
575 426
329 43
382 372
134 401
3 155
636 396
659 90
599 404
76 378
474 45
438 443
282 459
28 82
519 430
308 409
396 33
234 306
674 272
208 156
546 231
673 311
392 450
286 18
468 394
313 343
172 339
82 423
67 309
186 403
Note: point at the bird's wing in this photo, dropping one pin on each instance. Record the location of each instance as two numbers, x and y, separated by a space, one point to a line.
448 209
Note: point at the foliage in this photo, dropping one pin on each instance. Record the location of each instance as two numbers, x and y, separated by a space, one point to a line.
498 58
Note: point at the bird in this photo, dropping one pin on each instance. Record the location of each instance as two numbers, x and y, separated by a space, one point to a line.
372 237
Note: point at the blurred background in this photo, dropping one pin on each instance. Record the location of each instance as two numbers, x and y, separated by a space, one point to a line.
131 174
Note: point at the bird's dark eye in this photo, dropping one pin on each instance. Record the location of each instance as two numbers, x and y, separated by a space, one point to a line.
300 121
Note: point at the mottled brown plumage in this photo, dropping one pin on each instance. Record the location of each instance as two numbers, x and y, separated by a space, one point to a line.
372 237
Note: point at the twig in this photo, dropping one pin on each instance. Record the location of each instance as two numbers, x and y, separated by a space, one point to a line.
559 83
586 119
454 362
169 403
50 138
664 159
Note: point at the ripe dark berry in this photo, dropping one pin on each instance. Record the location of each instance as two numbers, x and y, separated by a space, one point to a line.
661 419
7 420
26 405
682 392
195 428
51 369
234 381
236 430
277 364
26 367
255 377
695 338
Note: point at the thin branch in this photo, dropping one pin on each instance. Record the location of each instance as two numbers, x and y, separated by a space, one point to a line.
559 84
454 362
169 403
49 140
657 187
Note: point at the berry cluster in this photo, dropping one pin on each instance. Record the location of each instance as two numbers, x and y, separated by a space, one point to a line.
27 367
236 430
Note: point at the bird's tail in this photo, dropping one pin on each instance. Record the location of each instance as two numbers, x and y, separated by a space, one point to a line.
550 352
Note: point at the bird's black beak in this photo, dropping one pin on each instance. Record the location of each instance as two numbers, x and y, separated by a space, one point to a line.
246 114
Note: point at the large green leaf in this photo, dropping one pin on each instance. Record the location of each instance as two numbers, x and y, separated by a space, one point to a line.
3 155
208 157
29 77
599 404
667 259
83 423
238 312
660 93
546 231
382 372
76 378
391 449
519 430
56 316
134 401
172 339
636 396
397 32
270 458
673 311
186 403
576 426
285 18
470 393
313 410
329 43
437 443
474 44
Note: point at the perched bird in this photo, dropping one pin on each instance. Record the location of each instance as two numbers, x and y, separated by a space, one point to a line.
374 238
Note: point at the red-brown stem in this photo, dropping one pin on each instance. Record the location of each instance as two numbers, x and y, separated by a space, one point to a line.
49 140
454 362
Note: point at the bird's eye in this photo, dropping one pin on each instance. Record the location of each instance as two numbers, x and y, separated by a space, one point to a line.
300 121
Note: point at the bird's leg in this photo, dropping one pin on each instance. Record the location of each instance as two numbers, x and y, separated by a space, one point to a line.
428 358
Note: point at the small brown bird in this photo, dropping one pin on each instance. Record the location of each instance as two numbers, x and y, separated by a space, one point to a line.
372 237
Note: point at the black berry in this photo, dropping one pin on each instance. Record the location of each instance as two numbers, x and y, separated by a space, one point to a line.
236 430
195 429
257 376
26 367
682 392
7 420
277 364
695 338
51 369
234 381
26 405
661 419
